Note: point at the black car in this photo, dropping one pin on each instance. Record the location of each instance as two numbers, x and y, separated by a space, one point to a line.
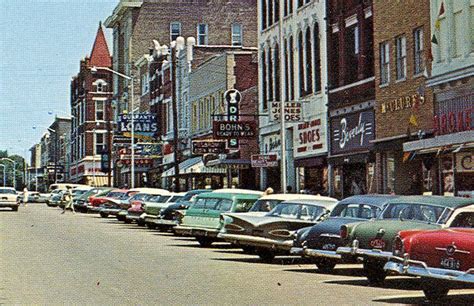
169 217
321 241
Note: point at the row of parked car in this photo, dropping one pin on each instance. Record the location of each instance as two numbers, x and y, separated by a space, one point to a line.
427 236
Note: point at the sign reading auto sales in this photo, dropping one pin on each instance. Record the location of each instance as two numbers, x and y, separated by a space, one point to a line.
310 137
352 131
234 129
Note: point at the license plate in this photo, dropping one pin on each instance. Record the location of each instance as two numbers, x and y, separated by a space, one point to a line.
450 263
329 246
377 243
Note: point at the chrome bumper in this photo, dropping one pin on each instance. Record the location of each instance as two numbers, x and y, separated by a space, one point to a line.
93 208
354 250
159 221
404 266
133 217
194 231
297 251
257 241
110 211
321 253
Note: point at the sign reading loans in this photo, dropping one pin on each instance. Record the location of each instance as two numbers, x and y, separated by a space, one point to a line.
352 132
264 161
234 129
310 137
145 125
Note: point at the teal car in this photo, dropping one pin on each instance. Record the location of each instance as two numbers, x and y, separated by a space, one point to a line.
203 219
372 241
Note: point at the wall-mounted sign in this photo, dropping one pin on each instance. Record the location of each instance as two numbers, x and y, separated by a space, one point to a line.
310 137
293 111
145 125
402 103
149 149
465 162
234 129
271 144
104 162
264 160
352 132
454 115
233 98
201 147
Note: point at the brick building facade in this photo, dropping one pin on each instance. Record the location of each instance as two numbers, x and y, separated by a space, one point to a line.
404 105
351 97
91 108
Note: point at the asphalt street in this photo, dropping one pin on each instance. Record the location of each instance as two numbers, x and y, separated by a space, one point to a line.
49 258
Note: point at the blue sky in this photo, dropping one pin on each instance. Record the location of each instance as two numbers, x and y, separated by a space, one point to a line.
41 44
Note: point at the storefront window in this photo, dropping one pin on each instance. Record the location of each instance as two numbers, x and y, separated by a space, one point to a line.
447 175
371 186
338 182
389 186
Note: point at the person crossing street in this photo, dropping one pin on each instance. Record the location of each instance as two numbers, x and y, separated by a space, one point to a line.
25 196
67 198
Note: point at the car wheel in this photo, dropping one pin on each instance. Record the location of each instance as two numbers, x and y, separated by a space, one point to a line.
141 223
434 291
325 265
15 208
374 271
151 226
128 221
204 241
121 218
104 215
265 255
248 249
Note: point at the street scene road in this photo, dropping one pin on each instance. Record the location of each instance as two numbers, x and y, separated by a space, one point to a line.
53 258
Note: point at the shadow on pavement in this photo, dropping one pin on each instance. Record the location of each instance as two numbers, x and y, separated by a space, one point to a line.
389 283
257 260
460 299
196 245
357 272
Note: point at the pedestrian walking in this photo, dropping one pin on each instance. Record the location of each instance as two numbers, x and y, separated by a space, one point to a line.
67 198
25 196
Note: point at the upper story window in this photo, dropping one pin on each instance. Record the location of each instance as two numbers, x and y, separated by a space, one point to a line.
401 53
100 85
99 110
175 30
99 143
202 34
263 15
145 83
384 63
301 3
236 34
418 51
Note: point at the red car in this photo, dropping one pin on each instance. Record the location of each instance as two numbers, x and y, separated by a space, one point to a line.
95 202
441 258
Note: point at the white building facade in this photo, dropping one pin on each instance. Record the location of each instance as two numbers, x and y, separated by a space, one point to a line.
300 77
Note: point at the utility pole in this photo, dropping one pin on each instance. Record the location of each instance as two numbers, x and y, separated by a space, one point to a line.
175 117
281 55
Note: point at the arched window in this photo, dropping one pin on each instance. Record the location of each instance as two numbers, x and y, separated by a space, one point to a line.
264 80
301 63
309 62
264 14
276 60
291 67
317 59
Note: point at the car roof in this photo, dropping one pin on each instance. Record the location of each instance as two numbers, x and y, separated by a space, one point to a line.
290 196
9 188
221 195
150 191
323 201
371 199
238 190
451 202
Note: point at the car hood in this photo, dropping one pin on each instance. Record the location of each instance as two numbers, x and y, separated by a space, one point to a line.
253 220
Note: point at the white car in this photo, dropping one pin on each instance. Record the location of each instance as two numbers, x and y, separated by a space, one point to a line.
8 198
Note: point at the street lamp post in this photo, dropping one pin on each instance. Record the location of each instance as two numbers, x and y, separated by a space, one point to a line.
132 114
14 170
4 174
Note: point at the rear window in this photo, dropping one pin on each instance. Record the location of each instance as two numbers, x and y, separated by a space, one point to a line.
7 191
420 212
264 205
116 195
464 219
361 211
224 205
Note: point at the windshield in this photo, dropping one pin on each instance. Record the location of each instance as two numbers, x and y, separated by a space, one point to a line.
297 211
175 199
140 197
117 195
244 205
409 211
361 211
7 191
264 205
158 199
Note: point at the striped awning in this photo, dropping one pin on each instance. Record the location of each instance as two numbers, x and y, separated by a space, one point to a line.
192 166
98 181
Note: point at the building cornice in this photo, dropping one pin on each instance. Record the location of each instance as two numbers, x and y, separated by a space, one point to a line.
119 11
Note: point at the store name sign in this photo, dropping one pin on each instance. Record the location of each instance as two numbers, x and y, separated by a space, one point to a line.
454 122
293 111
234 129
465 162
309 138
353 131
402 103
264 161
144 125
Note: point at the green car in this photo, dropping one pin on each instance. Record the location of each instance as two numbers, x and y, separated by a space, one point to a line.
203 219
371 241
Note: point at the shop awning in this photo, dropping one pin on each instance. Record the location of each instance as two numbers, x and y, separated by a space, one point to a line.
98 181
192 166
230 163
431 145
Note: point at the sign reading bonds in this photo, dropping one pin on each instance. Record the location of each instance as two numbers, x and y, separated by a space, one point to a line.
233 98
293 111
201 147
264 161
145 125
234 129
